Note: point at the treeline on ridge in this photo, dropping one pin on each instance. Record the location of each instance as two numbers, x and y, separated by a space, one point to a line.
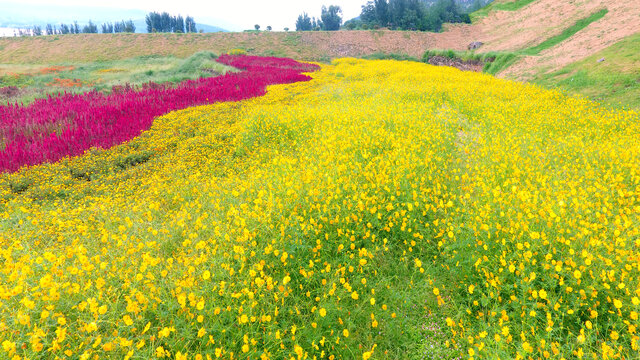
73 28
422 15
156 22
163 22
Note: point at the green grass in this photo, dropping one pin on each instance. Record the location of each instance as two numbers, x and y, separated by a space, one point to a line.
614 82
567 33
453 54
103 75
510 6
390 56
494 61
501 61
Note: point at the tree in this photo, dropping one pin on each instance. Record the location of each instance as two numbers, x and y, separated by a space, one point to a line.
303 23
190 24
382 12
316 25
37 30
286 29
331 18
149 20
269 27
118 27
90 28
64 29
163 22
257 27
129 26
76 28
107 28
410 14
179 24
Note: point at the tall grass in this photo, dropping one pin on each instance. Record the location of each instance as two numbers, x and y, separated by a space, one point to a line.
103 75
503 6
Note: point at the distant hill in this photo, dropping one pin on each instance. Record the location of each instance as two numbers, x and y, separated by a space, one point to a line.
15 15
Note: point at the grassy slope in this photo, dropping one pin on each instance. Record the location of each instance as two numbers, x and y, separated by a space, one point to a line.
103 75
615 81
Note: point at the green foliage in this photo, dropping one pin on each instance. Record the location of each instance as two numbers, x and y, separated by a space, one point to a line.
494 62
331 17
510 6
90 28
391 56
303 23
452 54
501 61
410 15
613 82
163 22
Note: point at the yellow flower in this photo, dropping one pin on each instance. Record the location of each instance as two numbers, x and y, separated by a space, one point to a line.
322 312
8 346
165 332
160 352
354 295
505 331
345 333
617 303
543 294
577 274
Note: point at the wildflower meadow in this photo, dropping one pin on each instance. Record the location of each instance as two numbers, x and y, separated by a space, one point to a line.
380 210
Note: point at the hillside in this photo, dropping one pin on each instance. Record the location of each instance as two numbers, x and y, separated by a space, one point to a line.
544 19
315 46
543 39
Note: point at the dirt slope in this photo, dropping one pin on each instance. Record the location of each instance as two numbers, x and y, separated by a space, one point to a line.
542 19
318 46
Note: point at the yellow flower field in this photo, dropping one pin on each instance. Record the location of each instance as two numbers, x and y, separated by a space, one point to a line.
383 210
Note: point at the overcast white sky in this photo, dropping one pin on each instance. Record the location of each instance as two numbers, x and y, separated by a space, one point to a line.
231 14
